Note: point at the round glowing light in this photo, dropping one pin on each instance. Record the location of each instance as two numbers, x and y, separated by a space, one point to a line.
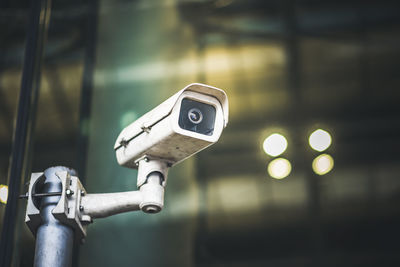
275 144
322 164
320 140
3 193
279 168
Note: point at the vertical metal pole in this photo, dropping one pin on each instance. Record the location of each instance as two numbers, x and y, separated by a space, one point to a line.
38 23
54 240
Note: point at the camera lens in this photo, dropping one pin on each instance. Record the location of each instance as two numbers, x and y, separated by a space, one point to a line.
195 115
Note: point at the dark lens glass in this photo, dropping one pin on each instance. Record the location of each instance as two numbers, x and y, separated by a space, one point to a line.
197 117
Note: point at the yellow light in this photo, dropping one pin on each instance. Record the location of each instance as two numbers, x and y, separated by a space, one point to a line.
275 144
322 164
3 193
320 140
279 168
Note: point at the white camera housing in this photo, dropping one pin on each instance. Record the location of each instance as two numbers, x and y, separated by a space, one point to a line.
159 135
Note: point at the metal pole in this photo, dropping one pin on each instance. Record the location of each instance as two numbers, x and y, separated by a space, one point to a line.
54 240
19 164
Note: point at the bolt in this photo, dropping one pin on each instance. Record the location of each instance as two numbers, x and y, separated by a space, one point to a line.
82 193
81 208
69 192
123 143
146 129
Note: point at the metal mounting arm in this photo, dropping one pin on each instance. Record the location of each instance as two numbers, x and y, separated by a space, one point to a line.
104 205
76 208
59 209
150 199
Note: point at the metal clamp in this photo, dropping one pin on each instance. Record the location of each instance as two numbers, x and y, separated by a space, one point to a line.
67 210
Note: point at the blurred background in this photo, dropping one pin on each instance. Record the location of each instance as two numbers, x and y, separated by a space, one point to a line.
305 174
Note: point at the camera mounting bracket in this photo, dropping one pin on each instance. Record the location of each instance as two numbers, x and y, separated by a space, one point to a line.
147 165
67 209
75 208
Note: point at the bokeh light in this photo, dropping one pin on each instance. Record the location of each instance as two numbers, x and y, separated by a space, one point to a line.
279 168
320 140
275 144
3 193
322 164
127 118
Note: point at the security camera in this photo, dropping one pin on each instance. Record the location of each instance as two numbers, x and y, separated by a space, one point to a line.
181 126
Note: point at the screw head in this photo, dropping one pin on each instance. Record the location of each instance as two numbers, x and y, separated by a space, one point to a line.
69 192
